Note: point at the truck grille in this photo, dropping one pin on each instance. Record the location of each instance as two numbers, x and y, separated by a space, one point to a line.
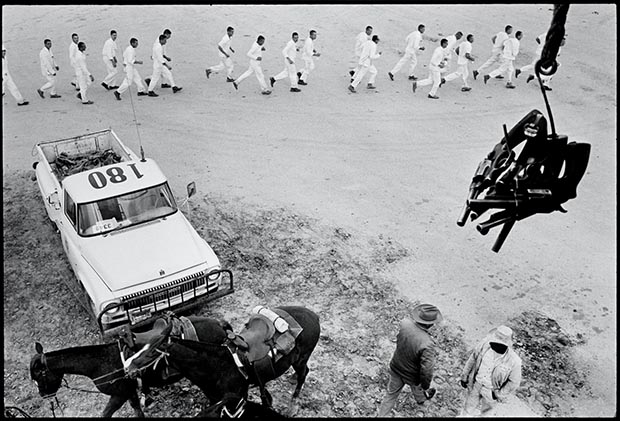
170 294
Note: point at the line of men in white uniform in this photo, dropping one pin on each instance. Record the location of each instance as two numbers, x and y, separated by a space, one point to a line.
504 51
255 55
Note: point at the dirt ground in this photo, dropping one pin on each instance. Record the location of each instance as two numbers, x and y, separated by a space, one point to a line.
342 203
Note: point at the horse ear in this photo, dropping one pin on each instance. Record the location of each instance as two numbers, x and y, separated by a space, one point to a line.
38 347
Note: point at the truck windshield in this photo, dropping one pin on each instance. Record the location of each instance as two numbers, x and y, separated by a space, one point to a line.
122 211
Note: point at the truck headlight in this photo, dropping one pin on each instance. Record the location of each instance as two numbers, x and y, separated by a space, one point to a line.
109 310
215 276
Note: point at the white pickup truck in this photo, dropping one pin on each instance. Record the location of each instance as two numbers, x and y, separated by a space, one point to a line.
132 250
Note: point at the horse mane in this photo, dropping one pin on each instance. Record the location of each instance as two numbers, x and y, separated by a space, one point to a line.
78 350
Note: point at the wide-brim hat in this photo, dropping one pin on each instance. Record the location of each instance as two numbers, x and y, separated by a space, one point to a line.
502 335
426 314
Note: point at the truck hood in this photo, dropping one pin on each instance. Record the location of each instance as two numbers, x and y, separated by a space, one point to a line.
138 255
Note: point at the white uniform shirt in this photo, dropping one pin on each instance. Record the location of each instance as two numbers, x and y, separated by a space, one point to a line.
158 54
255 52
308 50
452 43
129 56
163 47
48 64
80 64
542 37
360 40
511 48
290 50
369 53
5 69
500 38
225 44
109 49
464 48
438 56
417 40
73 49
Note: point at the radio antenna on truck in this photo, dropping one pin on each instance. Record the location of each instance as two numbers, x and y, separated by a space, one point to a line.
135 120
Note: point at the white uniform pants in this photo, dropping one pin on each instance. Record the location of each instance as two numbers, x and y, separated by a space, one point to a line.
289 70
7 81
257 70
83 82
112 72
225 63
507 68
158 72
434 77
407 57
131 76
309 67
75 76
496 58
51 84
359 75
462 71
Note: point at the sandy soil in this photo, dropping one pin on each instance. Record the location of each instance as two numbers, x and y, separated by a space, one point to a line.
378 177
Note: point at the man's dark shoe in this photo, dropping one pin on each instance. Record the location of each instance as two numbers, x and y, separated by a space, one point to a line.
165 85
117 95
229 79
517 72
412 77
301 82
465 89
486 78
443 80
414 86
272 81
208 72
391 76
79 96
151 93
236 86
499 77
55 96
433 96
476 74
176 89
351 72
23 103
547 88
352 89
295 90
147 81
298 74
142 94
529 78
105 85
41 94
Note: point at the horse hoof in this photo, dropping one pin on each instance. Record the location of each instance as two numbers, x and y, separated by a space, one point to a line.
293 409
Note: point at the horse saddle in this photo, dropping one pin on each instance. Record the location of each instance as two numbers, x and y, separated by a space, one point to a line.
182 327
259 338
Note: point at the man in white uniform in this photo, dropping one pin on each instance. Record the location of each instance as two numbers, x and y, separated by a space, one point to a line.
464 57
160 67
109 51
509 54
411 53
307 54
224 50
289 52
496 53
541 39
7 80
453 42
131 73
164 79
360 40
435 66
256 56
73 49
84 77
48 69
369 54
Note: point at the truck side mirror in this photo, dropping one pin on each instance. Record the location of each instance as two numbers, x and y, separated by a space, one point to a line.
191 189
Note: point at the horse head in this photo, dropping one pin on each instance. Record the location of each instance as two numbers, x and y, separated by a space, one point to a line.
149 355
47 381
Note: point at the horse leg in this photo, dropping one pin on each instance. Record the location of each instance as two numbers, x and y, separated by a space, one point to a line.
113 405
265 397
300 373
134 401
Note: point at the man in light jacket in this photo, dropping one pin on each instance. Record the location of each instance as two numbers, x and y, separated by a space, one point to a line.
256 56
84 77
492 372
290 53
110 48
48 69
435 67
369 54
511 50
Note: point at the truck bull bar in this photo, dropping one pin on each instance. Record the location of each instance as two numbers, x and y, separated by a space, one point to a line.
151 299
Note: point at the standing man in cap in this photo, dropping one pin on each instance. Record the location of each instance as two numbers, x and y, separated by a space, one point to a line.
48 69
7 80
414 358
109 59
289 52
224 50
491 373
369 54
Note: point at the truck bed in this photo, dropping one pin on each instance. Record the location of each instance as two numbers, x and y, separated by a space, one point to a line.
81 153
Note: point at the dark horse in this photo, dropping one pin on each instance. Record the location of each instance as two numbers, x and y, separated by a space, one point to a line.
104 365
212 368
